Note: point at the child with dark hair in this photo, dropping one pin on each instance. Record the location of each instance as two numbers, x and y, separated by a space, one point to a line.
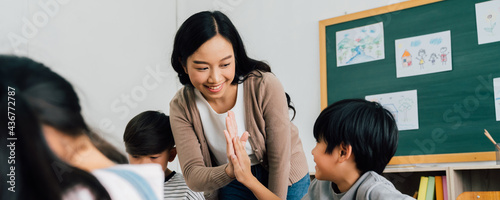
148 139
355 141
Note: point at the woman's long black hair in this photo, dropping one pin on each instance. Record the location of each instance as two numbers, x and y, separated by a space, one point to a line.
200 28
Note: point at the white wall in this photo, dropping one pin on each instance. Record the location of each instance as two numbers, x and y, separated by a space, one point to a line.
110 49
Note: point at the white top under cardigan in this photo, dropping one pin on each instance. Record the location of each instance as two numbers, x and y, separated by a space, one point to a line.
214 125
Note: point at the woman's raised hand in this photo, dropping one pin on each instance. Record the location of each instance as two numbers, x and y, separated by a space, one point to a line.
239 165
231 133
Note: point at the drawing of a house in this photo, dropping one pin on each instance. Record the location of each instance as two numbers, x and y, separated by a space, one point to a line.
406 59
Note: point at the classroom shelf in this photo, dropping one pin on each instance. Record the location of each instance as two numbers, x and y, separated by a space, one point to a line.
407 180
460 179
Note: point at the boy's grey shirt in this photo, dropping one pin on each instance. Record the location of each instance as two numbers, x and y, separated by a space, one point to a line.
370 186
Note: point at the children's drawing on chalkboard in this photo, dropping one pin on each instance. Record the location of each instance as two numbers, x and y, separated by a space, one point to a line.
403 106
437 45
406 59
361 44
433 58
421 58
486 20
444 55
496 88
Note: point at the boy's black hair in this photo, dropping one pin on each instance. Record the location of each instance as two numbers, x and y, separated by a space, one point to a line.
148 133
368 127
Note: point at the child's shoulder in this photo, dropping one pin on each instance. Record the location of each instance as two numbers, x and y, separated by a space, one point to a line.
176 179
319 190
176 187
375 186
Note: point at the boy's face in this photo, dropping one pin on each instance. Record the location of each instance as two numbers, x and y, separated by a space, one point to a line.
326 164
162 158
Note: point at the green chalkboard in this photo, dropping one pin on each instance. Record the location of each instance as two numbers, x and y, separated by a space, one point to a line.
453 106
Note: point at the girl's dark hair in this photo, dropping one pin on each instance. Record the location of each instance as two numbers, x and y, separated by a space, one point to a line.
148 133
368 127
40 174
200 28
55 103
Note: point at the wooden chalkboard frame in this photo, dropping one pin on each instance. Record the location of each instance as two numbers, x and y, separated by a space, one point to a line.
397 160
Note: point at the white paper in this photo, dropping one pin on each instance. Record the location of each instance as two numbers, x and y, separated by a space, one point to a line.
423 54
403 106
360 45
487 14
496 88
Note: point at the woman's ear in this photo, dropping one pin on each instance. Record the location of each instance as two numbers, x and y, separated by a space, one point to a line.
183 66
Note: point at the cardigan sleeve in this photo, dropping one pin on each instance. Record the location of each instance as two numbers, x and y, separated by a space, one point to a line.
278 133
199 177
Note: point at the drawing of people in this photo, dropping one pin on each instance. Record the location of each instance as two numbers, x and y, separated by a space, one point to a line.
433 58
444 55
421 57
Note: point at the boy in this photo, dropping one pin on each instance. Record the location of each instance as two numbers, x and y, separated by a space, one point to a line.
355 141
148 139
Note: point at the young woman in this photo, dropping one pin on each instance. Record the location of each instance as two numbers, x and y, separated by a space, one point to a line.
50 100
218 77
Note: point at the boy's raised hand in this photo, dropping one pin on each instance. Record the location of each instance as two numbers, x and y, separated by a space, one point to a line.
231 132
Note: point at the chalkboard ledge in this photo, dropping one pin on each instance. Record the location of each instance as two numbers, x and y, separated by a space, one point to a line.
444 158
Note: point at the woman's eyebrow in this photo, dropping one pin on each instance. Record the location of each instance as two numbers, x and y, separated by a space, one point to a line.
203 62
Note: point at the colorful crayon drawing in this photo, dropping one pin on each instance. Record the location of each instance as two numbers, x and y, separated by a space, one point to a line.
487 14
444 55
406 59
433 58
403 106
361 44
421 58
424 50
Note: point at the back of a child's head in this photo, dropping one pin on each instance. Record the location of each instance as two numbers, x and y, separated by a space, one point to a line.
148 133
368 127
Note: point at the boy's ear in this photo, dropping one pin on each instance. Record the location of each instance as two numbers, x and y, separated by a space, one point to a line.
345 152
171 154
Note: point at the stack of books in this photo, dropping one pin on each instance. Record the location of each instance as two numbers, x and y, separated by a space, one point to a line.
432 187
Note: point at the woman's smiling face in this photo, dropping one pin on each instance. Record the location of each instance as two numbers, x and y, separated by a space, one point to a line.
211 68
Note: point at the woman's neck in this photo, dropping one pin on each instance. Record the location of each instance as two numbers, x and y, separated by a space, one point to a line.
227 102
